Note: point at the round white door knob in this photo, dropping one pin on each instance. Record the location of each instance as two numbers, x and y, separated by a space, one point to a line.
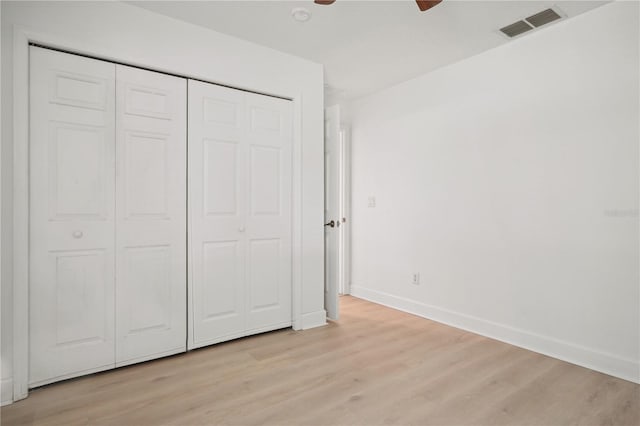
77 234
241 229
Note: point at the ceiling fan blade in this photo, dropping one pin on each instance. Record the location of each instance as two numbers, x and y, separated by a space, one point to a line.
327 2
425 4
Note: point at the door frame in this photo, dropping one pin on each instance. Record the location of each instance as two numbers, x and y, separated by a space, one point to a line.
333 165
344 286
22 38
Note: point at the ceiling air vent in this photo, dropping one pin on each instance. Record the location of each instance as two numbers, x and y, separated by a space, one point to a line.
533 22
542 18
516 29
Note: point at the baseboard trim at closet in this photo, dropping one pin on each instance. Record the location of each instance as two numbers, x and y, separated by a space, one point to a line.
6 391
314 319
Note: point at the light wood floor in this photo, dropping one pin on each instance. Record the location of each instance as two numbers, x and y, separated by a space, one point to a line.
375 366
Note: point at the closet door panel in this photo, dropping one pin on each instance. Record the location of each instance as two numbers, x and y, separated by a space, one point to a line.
268 221
151 215
71 286
217 219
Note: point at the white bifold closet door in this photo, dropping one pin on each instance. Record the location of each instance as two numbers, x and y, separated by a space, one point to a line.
72 216
151 215
107 215
240 170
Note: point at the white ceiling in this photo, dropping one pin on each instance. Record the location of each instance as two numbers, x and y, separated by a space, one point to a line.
366 45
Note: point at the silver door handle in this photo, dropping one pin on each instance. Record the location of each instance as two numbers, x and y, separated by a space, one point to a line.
77 234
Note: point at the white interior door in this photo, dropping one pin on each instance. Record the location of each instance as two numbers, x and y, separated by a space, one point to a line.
240 213
72 147
332 153
151 187
267 151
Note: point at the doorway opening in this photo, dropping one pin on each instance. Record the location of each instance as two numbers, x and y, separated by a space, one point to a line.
337 211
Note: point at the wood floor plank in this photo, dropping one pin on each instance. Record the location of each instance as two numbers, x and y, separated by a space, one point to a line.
376 366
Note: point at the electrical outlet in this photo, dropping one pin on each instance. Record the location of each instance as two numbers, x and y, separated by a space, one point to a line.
416 279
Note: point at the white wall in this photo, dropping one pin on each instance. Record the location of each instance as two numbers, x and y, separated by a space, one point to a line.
509 181
132 35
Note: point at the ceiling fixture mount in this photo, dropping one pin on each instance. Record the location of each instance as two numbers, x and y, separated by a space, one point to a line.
300 14
422 4
427 4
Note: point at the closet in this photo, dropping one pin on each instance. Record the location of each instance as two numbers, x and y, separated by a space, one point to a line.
110 222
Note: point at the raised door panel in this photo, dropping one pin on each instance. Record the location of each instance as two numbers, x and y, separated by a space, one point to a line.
268 222
222 273
266 175
147 277
220 180
77 188
71 286
151 215
79 292
222 110
221 301
264 274
148 101
79 90
217 204
147 173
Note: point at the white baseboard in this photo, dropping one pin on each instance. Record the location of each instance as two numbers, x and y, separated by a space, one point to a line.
314 319
6 391
626 369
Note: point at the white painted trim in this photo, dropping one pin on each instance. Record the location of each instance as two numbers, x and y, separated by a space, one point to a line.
345 134
296 216
314 319
6 391
613 365
190 315
21 39
20 213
